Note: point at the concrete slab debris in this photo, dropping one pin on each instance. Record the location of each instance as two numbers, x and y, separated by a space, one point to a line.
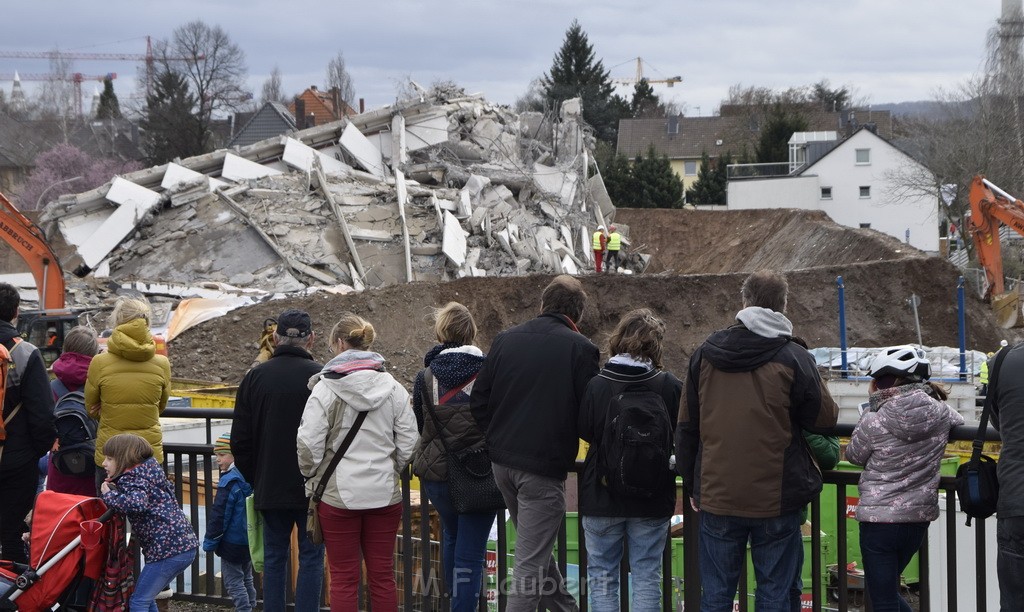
425 189
240 169
301 156
454 241
365 153
133 203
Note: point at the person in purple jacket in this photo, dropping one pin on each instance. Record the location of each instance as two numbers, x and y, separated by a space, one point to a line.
71 369
900 441
137 487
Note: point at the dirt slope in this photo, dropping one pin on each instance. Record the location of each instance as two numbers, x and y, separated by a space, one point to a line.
692 305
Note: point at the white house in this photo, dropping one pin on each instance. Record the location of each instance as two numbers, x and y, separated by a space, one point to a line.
857 182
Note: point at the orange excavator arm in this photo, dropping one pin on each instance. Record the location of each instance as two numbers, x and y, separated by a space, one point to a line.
990 205
28 241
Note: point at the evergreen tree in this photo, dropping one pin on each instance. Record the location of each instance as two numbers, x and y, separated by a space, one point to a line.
576 72
109 107
703 189
645 102
617 173
783 122
657 186
171 124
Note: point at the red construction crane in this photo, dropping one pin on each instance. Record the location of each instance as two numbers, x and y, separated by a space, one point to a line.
147 57
75 77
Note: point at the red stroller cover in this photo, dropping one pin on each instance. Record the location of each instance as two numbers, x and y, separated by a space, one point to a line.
56 522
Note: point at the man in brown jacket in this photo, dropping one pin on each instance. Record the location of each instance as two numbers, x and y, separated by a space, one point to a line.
750 391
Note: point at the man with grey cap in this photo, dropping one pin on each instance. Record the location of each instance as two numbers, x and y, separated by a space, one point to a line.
268 408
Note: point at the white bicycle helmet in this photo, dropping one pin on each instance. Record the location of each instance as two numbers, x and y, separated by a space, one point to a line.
905 361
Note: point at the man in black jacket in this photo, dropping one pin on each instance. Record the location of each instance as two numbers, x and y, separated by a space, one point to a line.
527 398
1008 418
28 404
268 408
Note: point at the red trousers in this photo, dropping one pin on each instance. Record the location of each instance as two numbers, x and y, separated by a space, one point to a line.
369 534
597 260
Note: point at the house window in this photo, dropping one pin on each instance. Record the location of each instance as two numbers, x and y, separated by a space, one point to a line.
826 193
865 191
863 156
690 168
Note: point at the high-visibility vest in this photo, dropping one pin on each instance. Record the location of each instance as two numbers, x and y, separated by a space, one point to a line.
614 241
597 240
983 375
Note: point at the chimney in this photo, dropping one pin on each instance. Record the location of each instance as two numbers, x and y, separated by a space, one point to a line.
362 105
300 113
313 87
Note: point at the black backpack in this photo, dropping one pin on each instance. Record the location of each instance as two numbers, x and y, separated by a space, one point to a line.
977 484
76 436
637 441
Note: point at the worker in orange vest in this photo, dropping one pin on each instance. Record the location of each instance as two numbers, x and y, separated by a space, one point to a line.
600 239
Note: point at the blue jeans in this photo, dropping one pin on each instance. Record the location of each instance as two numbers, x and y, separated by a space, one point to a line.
238 584
154 577
277 533
606 538
1010 562
775 549
886 549
464 547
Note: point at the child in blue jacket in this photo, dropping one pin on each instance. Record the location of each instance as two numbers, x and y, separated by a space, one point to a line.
226 529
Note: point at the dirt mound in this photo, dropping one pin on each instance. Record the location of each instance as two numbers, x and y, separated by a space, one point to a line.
717 242
692 305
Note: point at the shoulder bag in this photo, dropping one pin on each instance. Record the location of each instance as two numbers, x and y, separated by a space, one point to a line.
471 485
977 485
313 529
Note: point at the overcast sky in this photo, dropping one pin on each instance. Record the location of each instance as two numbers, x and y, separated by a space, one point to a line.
885 50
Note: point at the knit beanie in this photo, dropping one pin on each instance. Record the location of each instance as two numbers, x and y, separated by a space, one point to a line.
222 444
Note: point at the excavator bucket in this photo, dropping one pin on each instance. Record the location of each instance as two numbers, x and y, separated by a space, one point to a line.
1006 307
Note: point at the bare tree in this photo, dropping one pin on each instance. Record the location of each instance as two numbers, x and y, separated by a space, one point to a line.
271 91
338 76
212 65
57 95
532 99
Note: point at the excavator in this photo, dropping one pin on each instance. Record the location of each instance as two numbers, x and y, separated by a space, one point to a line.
991 206
46 327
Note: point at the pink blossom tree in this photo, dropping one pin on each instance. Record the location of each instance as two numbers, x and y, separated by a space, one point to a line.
67 169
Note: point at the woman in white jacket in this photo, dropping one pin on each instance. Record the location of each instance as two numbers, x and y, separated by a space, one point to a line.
361 506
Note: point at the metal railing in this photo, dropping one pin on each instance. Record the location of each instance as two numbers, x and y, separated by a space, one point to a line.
418 558
763 170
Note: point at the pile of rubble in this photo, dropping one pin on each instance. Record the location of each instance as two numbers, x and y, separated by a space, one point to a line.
436 188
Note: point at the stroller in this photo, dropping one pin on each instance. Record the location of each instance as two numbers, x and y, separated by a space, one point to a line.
67 543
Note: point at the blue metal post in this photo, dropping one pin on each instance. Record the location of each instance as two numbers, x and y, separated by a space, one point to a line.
842 326
961 316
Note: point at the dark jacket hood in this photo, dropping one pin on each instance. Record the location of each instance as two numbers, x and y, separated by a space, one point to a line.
737 349
453 366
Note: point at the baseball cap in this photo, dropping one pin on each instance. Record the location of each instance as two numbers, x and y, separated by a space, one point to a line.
294 323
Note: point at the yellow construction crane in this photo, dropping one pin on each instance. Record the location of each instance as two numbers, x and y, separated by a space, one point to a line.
670 81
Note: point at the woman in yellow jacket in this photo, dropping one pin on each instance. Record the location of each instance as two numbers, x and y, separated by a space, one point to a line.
127 387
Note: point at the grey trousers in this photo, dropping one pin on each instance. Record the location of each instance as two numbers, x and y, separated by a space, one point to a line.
537 506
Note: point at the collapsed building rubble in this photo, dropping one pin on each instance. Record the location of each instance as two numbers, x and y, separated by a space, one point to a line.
434 188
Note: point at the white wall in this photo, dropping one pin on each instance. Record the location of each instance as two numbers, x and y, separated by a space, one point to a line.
796 192
839 170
